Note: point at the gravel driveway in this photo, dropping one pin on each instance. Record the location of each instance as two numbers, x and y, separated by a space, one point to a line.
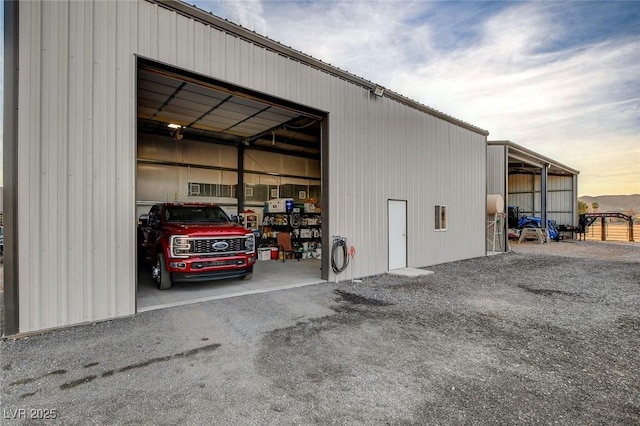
546 334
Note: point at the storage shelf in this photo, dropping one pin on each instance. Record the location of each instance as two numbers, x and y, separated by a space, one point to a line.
310 241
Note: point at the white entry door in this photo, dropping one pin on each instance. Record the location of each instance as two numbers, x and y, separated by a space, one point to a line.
397 234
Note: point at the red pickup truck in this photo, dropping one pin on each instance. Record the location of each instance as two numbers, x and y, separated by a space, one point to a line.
195 242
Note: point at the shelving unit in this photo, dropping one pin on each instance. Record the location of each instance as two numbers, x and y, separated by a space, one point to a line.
251 221
305 230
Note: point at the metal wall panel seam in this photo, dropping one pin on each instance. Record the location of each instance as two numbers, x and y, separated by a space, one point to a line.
166 36
49 144
62 164
108 123
29 131
74 220
101 261
88 170
112 126
125 163
198 46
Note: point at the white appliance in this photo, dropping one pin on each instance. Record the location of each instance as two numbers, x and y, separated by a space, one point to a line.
278 205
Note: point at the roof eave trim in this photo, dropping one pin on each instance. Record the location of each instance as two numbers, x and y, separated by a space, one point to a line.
534 154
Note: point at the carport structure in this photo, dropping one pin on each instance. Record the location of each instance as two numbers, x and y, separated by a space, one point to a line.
538 185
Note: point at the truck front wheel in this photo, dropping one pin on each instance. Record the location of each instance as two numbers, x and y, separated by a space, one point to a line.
161 275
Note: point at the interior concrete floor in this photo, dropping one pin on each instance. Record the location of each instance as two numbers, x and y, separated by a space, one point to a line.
268 275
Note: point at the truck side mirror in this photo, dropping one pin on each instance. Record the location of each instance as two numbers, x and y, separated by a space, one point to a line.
143 220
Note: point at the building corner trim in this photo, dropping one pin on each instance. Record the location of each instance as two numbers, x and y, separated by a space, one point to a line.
10 168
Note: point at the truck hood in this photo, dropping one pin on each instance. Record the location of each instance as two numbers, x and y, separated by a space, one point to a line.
206 229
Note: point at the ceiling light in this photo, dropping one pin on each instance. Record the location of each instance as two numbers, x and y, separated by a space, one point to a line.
174 131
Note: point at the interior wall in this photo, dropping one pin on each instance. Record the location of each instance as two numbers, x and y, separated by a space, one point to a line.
561 199
166 177
525 192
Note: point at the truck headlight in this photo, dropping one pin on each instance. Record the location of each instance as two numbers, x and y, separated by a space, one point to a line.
180 246
250 242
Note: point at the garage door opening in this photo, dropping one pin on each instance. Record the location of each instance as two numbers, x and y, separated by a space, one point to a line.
257 157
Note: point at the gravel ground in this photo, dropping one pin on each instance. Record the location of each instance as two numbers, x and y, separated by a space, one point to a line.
542 335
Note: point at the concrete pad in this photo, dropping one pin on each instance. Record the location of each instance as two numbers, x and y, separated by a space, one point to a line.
268 276
409 272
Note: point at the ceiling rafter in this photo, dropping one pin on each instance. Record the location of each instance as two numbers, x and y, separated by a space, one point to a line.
169 99
210 111
247 118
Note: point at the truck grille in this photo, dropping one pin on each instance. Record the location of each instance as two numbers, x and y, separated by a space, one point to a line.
183 246
207 246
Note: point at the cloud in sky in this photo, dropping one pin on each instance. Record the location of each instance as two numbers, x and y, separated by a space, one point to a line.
561 78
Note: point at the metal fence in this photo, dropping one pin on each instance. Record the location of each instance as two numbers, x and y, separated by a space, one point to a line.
614 231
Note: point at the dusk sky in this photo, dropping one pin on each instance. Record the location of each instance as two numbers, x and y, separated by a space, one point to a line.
560 78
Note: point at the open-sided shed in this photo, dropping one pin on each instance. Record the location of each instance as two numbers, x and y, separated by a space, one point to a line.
537 185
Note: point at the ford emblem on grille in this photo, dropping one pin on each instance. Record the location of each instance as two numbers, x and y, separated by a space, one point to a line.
220 245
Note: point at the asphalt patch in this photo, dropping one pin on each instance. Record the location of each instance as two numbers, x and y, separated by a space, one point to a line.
91 377
109 373
356 299
548 292
33 379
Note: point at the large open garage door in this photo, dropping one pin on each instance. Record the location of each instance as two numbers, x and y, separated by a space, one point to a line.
205 141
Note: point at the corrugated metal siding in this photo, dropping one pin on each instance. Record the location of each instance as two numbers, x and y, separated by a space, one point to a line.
524 192
561 199
496 184
496 173
77 161
405 155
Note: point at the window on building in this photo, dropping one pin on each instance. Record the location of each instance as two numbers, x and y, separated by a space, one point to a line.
441 218
197 189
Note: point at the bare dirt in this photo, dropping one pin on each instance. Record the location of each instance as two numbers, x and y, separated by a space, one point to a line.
544 335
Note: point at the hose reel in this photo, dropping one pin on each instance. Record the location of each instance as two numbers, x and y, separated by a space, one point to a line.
339 254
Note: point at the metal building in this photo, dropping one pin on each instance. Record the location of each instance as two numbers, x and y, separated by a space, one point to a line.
405 184
536 184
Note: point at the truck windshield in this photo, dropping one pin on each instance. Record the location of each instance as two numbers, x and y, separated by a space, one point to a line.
195 214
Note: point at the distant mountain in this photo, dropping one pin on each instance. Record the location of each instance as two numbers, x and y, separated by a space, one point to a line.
614 203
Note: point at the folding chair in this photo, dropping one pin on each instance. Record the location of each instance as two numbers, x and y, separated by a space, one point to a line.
285 246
